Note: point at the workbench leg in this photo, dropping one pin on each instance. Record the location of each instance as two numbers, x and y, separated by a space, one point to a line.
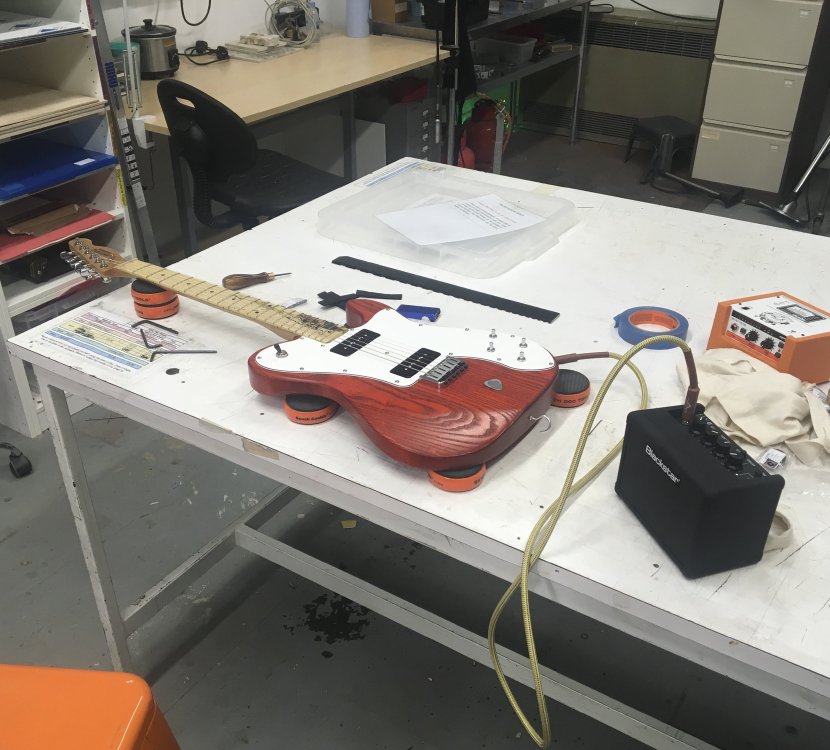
77 490
349 142
583 37
184 203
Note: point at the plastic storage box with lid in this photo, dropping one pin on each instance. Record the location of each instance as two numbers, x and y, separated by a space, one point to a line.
354 220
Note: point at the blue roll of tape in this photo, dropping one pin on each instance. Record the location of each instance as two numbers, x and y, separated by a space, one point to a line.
628 322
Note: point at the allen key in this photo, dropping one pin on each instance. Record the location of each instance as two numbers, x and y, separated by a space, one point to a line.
156 348
157 325
147 344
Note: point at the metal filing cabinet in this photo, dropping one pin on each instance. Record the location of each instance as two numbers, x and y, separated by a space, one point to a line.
410 126
768 96
758 157
776 30
755 90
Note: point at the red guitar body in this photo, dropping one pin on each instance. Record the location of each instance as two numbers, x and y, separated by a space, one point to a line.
473 417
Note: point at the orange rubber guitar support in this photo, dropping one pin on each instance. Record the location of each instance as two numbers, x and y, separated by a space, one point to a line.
157 312
153 302
458 480
309 409
570 389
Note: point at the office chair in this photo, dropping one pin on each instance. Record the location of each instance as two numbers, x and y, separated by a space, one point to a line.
227 165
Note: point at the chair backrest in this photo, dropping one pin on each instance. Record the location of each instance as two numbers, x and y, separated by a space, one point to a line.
213 139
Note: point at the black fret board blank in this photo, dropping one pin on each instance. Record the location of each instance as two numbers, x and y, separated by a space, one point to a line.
451 290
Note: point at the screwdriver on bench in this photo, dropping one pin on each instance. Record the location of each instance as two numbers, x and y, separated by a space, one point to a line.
242 280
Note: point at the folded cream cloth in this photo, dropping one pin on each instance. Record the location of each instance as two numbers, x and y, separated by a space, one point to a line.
753 402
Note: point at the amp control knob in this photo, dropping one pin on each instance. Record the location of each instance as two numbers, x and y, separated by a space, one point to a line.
767 343
722 445
710 435
751 336
698 424
735 458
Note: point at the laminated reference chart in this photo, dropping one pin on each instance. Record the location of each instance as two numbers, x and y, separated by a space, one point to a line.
110 341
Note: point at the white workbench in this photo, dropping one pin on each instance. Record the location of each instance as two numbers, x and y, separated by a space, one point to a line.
767 625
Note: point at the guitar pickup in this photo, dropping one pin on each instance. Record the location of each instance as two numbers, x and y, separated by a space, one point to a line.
354 343
446 370
414 363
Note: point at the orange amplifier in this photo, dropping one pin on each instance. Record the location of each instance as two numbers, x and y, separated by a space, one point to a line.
785 332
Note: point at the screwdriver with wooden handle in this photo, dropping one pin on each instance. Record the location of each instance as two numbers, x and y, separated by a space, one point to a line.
242 280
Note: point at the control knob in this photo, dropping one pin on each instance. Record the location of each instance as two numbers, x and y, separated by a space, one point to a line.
698 425
722 445
710 434
735 458
751 336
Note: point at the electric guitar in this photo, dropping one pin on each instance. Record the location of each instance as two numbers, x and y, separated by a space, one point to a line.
437 398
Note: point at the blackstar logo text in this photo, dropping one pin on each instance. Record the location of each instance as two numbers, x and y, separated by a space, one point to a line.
666 470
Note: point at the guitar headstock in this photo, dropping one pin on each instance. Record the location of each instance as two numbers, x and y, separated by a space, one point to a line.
93 261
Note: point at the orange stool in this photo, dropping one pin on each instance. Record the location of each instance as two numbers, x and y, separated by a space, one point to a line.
43 708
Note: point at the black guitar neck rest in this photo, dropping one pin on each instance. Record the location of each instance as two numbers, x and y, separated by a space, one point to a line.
708 504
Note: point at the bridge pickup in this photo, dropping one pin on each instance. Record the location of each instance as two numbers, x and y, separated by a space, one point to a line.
354 343
414 363
446 370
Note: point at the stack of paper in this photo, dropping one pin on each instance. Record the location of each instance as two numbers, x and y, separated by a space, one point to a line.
25 107
16 28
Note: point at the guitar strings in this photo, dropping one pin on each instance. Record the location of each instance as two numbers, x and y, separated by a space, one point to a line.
391 351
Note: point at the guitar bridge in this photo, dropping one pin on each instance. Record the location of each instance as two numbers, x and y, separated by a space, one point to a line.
446 370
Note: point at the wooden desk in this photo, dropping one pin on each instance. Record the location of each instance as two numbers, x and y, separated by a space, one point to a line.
335 66
766 626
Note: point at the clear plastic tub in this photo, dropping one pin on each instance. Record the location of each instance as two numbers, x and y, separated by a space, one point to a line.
354 220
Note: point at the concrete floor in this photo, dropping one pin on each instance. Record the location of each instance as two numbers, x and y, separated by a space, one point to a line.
252 656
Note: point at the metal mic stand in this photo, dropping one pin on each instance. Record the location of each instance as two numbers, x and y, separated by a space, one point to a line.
787 210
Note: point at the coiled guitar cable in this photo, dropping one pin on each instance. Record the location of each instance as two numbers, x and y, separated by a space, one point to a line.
288 31
540 534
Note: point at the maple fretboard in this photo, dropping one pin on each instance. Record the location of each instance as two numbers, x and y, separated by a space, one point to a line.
286 323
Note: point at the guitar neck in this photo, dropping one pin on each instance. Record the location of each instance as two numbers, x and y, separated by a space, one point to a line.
286 323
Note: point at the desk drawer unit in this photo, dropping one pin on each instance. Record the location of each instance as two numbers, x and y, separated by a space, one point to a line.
759 96
410 126
780 31
735 156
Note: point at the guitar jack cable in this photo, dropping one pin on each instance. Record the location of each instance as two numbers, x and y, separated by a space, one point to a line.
543 529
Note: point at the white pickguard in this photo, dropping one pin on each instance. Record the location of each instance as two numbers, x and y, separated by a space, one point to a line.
399 338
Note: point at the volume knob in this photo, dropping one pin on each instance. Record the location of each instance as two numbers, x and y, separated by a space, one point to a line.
722 445
710 434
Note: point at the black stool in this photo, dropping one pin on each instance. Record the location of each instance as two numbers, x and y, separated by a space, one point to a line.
668 135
